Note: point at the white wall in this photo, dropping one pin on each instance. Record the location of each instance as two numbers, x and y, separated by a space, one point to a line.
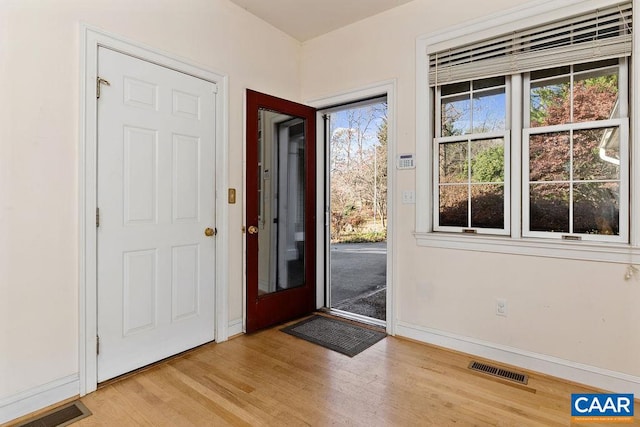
577 311
570 312
39 111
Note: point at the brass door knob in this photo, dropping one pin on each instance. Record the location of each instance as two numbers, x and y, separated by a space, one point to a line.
252 229
209 232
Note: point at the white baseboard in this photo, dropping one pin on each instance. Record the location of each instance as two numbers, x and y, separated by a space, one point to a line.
577 372
39 397
32 400
235 327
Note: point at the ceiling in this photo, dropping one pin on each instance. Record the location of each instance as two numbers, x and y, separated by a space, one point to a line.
306 19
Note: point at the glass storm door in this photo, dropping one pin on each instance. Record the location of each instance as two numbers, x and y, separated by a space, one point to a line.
280 229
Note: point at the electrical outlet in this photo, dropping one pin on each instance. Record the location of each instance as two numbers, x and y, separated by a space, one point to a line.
501 307
408 197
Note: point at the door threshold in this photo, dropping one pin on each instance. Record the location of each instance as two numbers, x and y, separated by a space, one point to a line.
355 317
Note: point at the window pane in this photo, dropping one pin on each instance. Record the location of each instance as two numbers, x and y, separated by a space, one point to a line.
487 83
549 207
549 103
453 162
454 206
595 153
595 95
487 206
489 111
596 208
487 160
549 157
550 72
455 88
598 64
456 115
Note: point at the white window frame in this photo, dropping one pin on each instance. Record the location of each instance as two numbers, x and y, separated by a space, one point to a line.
469 138
533 13
621 123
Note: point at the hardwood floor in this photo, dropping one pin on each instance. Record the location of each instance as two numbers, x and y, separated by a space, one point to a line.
272 378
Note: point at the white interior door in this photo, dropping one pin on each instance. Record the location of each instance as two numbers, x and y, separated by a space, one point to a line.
156 197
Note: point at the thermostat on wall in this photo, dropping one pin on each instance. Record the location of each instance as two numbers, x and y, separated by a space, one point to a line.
406 161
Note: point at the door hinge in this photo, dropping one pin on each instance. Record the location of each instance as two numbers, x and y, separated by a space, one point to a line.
100 81
97 217
97 344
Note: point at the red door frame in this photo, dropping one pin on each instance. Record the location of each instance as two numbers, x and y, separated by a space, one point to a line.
278 307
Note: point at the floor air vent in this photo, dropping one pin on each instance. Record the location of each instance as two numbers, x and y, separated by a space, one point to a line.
59 417
499 372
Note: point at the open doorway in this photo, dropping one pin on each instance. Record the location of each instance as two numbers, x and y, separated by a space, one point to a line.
356 140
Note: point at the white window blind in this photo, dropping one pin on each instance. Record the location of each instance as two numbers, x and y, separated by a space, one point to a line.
600 34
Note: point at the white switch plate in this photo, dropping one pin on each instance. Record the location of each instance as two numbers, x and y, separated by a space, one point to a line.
501 307
408 197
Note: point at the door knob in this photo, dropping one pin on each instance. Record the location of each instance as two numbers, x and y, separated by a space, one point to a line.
252 229
209 232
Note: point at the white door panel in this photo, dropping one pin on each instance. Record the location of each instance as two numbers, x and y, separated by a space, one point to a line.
156 181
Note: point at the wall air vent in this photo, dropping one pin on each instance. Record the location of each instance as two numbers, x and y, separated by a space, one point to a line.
499 372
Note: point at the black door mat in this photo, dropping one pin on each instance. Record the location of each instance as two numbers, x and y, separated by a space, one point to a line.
59 417
341 336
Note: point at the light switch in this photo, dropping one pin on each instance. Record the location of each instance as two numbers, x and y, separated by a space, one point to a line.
408 197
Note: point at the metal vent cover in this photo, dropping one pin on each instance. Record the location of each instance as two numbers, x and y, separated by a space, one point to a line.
59 417
499 372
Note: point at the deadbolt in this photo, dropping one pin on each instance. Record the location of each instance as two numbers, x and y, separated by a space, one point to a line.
209 232
252 229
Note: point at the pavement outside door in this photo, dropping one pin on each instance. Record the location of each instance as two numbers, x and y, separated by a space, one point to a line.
359 278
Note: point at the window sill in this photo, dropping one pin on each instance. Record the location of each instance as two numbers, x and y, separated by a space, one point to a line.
581 250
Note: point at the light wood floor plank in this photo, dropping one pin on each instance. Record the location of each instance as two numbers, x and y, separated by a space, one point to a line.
274 379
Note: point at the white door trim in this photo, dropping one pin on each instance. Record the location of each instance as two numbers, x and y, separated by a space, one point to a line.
90 39
387 88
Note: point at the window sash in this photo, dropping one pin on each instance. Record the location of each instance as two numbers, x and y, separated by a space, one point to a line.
470 137
622 71
621 123
623 179
473 96
623 215
437 142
